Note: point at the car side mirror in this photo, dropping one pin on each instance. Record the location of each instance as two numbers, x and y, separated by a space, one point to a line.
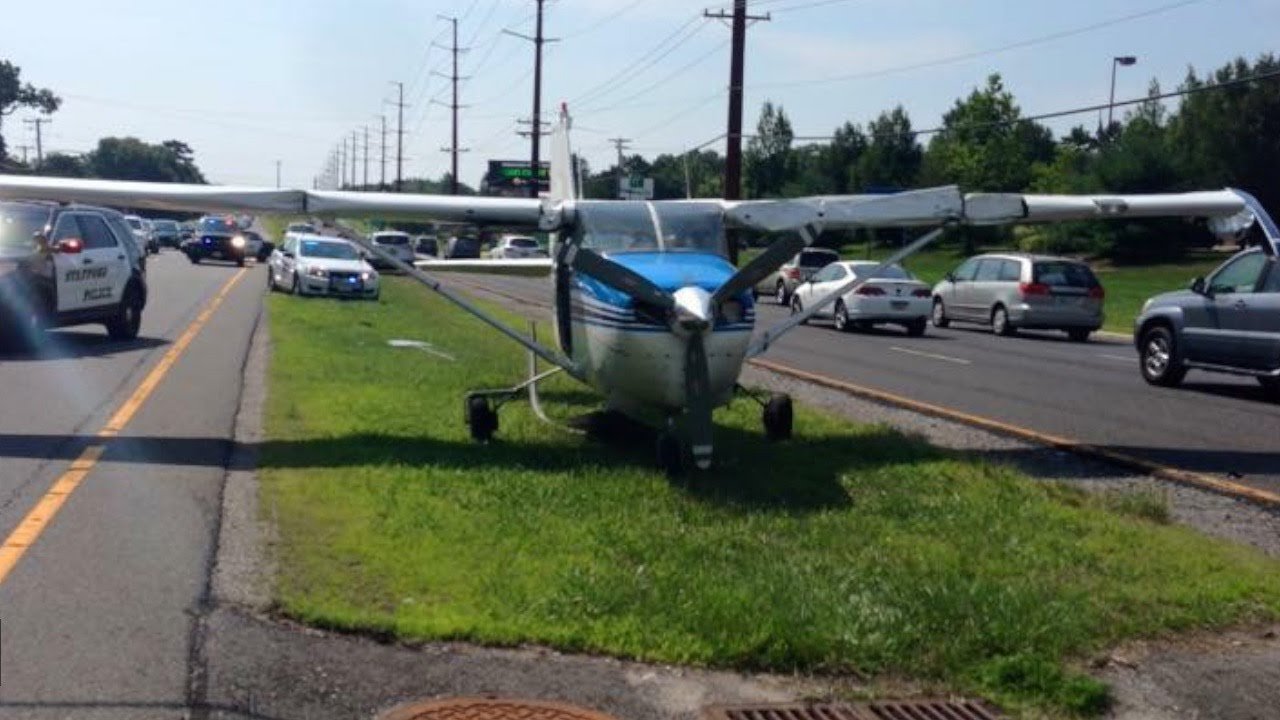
69 246
1198 287
949 277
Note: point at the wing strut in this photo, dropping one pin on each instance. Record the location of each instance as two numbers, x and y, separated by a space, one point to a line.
439 288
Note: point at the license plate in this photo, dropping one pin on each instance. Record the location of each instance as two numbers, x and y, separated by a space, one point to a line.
1069 300
898 304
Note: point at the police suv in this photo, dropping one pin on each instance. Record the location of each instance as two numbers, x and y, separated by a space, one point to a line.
66 265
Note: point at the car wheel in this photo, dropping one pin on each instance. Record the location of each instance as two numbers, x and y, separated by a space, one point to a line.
797 307
128 318
294 287
940 314
1000 324
780 294
195 259
1270 387
842 317
916 327
1079 335
1158 354
240 261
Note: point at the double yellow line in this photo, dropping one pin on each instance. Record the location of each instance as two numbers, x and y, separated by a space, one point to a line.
38 519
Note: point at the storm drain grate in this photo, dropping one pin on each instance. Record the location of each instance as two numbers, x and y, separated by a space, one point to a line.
490 709
885 710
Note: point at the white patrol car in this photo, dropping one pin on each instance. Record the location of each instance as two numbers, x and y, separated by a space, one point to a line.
66 265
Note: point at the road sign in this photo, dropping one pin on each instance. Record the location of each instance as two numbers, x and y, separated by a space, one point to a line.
512 177
635 187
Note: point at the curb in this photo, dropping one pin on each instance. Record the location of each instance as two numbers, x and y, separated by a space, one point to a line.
1155 469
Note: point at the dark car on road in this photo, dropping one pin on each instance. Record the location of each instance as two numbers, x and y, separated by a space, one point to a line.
166 233
216 238
68 265
462 247
1226 323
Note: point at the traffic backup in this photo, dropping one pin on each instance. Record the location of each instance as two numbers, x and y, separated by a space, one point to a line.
67 265
217 238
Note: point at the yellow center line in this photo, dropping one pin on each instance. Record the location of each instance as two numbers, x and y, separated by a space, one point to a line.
37 520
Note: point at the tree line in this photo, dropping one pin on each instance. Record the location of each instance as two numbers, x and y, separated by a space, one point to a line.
1225 132
114 158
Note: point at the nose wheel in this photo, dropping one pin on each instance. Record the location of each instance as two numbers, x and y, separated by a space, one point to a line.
778 418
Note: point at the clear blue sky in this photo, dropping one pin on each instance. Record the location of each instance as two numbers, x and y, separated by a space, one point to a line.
247 82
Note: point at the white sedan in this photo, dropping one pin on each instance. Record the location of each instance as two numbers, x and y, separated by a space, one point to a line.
894 297
319 265
517 246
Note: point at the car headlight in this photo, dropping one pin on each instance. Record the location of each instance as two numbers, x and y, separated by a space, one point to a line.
367 276
237 242
317 271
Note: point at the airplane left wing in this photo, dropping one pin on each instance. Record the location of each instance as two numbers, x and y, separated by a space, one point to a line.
522 212
169 197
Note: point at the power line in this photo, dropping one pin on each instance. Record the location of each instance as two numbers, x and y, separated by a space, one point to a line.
611 80
606 19
961 57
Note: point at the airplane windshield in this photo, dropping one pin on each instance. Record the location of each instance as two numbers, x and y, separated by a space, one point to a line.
629 227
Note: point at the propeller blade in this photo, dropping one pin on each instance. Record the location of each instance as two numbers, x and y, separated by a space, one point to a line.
766 262
591 263
697 384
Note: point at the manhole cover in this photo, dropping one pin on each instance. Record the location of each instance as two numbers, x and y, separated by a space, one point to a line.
490 709
884 710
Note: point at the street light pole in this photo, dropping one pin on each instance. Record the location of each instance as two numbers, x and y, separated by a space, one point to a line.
1125 60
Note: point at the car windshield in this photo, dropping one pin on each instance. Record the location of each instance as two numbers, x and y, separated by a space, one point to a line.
134 222
18 226
526 243
893 272
1068 274
394 239
166 225
301 228
217 225
813 259
327 249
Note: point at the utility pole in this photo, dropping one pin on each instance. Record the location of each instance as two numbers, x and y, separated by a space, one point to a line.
366 158
621 145
454 78
342 162
733 149
355 155
38 122
538 40
1126 61
24 149
399 134
277 173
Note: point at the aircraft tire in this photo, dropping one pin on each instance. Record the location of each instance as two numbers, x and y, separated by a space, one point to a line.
482 421
778 418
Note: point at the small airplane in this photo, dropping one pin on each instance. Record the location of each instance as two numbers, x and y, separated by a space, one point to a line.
649 311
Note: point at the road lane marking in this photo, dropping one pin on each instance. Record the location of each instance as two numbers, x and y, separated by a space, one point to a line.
1117 357
1164 472
932 356
38 518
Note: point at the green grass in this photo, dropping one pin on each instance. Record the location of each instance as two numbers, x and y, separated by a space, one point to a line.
850 549
1128 287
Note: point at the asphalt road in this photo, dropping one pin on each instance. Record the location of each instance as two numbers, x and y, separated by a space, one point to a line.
101 616
1090 393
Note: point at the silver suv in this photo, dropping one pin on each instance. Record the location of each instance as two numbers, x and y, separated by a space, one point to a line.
1017 291
1228 323
795 272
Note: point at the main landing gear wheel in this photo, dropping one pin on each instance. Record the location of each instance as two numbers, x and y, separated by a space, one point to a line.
670 453
482 419
778 418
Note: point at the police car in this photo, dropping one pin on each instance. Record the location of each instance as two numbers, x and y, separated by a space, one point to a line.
66 265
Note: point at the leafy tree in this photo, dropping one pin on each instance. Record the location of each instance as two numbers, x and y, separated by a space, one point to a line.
984 145
14 94
893 156
132 159
768 155
63 165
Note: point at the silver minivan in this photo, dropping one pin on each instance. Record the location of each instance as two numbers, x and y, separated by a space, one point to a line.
1013 291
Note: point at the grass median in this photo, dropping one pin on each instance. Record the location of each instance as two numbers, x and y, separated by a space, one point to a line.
850 549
